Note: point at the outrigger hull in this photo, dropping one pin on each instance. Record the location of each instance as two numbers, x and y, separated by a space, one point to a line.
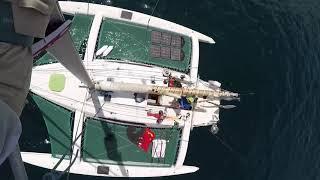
90 169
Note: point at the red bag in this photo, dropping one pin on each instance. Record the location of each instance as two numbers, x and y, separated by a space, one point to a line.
146 138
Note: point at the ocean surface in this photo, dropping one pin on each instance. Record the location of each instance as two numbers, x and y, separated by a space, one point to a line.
268 50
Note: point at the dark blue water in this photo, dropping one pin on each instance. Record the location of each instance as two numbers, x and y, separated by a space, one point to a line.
269 48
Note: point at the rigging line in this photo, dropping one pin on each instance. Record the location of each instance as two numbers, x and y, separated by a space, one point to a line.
148 25
67 170
65 154
62 158
71 162
153 10
72 147
231 149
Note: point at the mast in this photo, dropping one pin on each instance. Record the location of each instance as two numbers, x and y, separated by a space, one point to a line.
162 90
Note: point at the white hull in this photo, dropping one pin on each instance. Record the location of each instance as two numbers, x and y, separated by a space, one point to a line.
90 169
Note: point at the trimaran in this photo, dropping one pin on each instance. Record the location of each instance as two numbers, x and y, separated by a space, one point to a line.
125 95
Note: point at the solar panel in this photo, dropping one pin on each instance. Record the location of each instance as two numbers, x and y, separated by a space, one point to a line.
155 51
176 41
166 46
165 52
166 39
176 54
156 37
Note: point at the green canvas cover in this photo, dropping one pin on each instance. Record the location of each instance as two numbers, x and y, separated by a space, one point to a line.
58 121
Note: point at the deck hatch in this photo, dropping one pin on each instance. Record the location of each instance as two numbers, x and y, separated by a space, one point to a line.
126 15
103 170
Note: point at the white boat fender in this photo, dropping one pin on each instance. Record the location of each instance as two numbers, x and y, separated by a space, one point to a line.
214 129
101 50
214 84
107 51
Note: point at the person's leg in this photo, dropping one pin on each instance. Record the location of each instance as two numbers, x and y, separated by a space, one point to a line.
10 131
15 75
5 171
17 165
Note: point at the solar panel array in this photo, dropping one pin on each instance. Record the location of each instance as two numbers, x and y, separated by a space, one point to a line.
166 46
